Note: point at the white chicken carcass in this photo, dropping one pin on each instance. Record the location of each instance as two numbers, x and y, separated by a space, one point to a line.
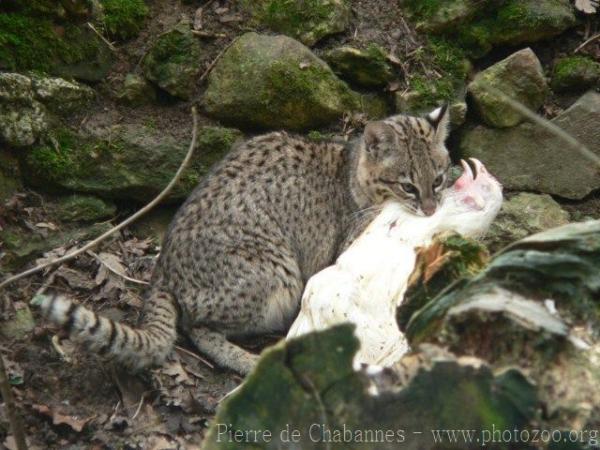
368 281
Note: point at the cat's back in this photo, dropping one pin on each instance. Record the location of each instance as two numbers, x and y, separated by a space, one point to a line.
278 185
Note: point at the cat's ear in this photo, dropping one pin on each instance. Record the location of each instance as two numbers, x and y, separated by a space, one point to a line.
439 119
375 133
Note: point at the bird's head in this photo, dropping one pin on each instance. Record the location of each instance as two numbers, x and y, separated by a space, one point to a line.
473 201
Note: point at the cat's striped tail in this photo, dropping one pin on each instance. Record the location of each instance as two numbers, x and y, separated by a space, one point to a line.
134 347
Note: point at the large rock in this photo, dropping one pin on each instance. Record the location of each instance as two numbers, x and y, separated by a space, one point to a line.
275 82
520 76
368 68
480 26
523 215
26 101
173 62
575 73
84 208
307 21
530 157
124 161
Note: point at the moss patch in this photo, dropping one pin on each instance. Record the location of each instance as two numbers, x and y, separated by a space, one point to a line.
306 20
35 43
575 73
275 82
131 162
174 61
123 19
477 27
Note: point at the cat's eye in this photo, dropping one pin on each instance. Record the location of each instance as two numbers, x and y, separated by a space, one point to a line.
408 188
438 181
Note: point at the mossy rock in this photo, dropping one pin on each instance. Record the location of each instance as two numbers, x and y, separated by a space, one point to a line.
173 62
136 91
368 68
575 73
84 208
478 27
124 161
61 96
22 125
306 20
123 19
523 215
275 82
36 43
520 77
529 157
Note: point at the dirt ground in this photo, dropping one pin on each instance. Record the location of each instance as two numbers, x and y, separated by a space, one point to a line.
72 400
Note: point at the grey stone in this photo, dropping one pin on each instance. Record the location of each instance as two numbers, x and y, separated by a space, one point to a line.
532 158
523 215
520 77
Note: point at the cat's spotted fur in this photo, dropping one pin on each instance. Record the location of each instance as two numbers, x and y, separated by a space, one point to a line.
272 213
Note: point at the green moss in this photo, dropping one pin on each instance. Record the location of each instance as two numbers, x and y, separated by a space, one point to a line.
448 60
32 43
123 19
479 26
575 73
307 20
172 62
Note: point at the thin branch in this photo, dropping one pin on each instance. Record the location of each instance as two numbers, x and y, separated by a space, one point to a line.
126 222
586 42
214 61
545 123
193 355
106 41
15 422
113 270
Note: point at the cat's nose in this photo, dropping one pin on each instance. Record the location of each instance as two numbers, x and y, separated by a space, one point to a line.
428 208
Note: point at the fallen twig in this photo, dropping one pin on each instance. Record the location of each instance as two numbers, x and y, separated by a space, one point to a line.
586 42
13 418
193 355
208 34
106 41
123 224
214 61
122 275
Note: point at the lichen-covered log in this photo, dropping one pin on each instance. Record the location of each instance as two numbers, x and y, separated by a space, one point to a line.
536 306
305 395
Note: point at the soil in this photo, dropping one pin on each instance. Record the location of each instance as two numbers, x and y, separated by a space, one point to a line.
76 400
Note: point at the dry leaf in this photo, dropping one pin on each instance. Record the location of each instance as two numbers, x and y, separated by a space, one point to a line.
58 418
587 6
48 225
75 278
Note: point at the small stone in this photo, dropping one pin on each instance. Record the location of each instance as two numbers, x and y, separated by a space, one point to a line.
520 77
523 215
575 73
136 91
22 125
173 62
368 68
84 208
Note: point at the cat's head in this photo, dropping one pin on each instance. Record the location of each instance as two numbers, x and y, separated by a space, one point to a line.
404 158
